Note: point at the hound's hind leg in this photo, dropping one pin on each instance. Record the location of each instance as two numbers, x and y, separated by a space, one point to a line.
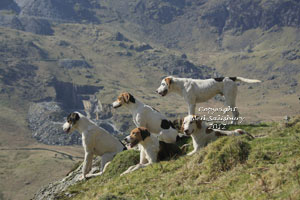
230 93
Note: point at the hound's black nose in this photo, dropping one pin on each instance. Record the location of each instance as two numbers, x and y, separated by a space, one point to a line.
186 132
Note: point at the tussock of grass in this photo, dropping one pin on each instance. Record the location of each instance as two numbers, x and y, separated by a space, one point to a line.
230 168
223 154
122 162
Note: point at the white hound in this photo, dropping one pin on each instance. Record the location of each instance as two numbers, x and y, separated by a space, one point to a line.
146 116
195 90
151 149
95 140
202 134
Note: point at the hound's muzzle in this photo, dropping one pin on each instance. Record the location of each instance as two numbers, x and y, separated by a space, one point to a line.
67 127
162 93
116 104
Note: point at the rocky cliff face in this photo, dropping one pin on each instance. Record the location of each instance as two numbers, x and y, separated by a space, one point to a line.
174 65
69 10
162 17
9 5
239 15
46 118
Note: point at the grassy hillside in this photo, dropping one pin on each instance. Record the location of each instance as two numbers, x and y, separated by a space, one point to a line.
266 167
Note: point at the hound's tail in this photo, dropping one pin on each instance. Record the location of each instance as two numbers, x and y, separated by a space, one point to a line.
246 80
234 132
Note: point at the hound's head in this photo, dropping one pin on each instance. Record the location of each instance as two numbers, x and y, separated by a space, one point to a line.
124 98
72 122
191 123
165 86
137 135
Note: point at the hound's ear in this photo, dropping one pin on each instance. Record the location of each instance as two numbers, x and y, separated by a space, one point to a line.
131 98
168 81
182 125
73 117
198 123
144 132
128 97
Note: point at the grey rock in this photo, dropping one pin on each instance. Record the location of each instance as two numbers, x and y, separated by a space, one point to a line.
272 77
63 43
71 96
291 54
37 26
174 65
120 37
45 119
143 47
52 190
67 10
9 5
11 21
28 24
69 64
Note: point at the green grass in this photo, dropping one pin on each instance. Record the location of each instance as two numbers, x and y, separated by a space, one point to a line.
267 167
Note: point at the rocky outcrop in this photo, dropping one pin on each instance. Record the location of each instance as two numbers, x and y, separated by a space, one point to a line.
174 65
9 5
53 189
69 64
58 189
292 54
163 18
172 23
28 24
20 71
45 119
245 15
36 26
71 95
67 10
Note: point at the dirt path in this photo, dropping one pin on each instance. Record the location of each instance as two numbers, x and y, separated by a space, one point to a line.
71 157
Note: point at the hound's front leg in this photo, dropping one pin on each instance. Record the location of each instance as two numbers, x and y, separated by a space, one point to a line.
138 166
87 164
197 144
128 170
143 161
192 107
134 167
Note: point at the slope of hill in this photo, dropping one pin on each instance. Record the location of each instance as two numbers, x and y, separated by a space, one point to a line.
266 167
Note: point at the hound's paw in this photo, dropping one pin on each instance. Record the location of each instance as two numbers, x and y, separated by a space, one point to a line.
82 178
94 175
191 153
124 173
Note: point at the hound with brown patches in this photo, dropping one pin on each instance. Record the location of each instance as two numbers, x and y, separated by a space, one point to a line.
95 141
202 134
196 91
146 116
151 149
